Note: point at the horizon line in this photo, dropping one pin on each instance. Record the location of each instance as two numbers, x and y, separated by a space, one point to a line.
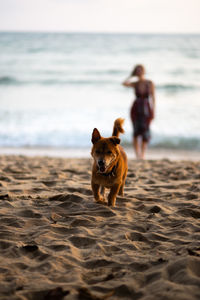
97 32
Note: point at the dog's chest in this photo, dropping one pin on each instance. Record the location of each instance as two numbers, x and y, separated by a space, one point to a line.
105 180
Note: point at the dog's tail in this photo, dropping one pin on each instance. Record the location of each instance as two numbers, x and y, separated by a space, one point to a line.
117 128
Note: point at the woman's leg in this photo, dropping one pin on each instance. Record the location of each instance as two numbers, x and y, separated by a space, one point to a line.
143 149
136 147
145 139
136 144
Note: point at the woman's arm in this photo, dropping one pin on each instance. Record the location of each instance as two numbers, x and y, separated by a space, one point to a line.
128 82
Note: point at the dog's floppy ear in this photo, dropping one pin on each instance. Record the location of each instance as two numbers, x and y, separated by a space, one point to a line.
115 140
95 136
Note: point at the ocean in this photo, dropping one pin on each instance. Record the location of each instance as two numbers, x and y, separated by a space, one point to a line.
56 87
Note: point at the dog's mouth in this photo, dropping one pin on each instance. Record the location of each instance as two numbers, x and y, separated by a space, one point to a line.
102 169
104 166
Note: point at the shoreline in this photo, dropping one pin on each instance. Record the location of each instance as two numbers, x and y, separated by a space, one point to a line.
152 153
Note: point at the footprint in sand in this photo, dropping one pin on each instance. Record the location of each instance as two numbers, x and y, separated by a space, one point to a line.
82 242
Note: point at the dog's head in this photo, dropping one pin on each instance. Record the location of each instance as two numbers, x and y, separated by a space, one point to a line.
104 151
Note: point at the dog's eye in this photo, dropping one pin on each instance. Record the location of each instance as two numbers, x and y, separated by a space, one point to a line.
109 152
97 152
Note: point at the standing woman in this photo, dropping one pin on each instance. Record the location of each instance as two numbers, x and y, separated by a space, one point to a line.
142 110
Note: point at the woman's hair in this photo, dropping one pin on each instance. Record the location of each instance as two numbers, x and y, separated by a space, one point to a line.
138 70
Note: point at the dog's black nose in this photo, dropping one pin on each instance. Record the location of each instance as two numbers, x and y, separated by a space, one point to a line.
100 162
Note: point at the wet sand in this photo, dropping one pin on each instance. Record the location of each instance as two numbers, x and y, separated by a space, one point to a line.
57 243
152 153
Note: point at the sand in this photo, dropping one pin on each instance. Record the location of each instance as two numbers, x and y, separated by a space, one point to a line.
152 153
57 243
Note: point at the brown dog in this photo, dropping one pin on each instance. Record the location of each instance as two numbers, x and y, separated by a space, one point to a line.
110 164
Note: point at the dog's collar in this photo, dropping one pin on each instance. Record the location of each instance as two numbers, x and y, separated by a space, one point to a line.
111 173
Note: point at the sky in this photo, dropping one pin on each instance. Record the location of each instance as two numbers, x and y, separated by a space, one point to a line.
148 16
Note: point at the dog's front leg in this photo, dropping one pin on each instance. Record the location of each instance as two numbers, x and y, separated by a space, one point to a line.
96 192
113 194
102 191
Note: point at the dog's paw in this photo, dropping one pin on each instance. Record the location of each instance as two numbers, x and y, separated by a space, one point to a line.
101 200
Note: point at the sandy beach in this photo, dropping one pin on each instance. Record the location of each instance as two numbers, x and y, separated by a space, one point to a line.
57 243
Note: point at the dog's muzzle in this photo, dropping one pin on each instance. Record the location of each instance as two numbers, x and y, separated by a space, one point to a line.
101 165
